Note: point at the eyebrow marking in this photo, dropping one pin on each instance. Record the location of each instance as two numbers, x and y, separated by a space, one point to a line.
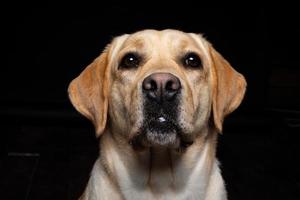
199 42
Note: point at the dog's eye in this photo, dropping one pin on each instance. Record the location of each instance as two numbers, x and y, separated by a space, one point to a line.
192 60
129 61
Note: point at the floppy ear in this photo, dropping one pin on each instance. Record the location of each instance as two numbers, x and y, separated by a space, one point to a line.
88 92
229 88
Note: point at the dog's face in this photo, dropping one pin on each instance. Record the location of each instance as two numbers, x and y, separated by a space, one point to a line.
158 88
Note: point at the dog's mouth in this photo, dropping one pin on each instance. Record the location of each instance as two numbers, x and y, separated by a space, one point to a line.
160 130
162 125
157 132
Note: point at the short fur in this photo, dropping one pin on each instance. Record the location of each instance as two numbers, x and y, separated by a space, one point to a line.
112 99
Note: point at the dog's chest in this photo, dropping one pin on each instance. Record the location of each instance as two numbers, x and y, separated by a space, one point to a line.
162 186
165 179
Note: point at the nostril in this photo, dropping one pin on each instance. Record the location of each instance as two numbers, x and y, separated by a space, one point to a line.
147 86
153 85
170 85
150 84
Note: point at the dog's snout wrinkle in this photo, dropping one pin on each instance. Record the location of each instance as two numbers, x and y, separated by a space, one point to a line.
161 86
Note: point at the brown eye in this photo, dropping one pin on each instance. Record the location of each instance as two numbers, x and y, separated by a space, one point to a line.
192 60
129 61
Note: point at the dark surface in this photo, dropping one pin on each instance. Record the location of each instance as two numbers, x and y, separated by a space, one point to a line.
47 149
47 158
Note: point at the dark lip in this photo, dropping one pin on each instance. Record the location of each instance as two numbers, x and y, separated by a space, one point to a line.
168 125
154 124
140 143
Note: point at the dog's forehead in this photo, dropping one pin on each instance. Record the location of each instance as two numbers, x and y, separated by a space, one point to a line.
170 39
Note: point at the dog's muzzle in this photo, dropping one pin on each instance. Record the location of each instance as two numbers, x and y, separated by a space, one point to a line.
160 127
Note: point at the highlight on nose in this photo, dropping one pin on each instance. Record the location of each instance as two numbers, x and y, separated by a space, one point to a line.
161 87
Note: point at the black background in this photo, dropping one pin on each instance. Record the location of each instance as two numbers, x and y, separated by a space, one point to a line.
49 148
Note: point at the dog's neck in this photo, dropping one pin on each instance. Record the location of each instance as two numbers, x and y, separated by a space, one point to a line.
158 169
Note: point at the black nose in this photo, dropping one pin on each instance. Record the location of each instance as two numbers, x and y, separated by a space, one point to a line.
161 86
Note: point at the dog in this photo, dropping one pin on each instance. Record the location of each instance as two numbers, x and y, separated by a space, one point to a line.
158 100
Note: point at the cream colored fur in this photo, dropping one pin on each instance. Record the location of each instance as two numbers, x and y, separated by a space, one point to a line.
112 99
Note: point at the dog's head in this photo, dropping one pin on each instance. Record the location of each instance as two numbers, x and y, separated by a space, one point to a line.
158 88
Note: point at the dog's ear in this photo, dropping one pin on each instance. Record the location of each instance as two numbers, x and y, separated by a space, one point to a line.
89 92
229 88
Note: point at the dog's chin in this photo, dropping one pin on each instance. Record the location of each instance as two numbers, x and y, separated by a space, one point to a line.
153 138
163 139
155 134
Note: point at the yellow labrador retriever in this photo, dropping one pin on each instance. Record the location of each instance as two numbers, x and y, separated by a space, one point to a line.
158 100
